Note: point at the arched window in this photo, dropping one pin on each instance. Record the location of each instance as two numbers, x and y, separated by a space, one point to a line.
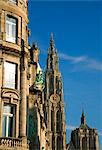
52 120
58 121
84 143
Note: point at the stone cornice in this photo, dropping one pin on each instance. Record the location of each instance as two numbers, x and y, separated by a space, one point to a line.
11 51
14 9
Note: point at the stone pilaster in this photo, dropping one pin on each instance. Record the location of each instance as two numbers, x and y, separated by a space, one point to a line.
23 104
23 92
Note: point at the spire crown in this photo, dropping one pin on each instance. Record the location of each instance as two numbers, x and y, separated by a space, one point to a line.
83 119
52 43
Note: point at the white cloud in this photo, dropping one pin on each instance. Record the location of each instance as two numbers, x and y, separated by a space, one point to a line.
70 127
93 64
72 58
82 62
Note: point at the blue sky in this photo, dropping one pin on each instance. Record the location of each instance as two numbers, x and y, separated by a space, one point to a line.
77 29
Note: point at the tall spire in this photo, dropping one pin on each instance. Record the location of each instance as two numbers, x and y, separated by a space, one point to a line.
83 119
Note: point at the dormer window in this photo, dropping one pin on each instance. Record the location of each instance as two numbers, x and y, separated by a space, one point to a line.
11 29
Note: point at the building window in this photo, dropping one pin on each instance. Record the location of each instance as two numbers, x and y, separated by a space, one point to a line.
10 75
13 1
11 29
8 121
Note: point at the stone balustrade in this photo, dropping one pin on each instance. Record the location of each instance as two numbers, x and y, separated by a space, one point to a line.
12 143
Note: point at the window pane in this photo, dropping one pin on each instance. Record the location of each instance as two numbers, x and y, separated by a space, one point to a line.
8 121
4 126
13 31
7 109
10 75
10 127
11 24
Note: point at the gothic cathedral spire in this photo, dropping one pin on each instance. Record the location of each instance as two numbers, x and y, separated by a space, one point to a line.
52 59
54 102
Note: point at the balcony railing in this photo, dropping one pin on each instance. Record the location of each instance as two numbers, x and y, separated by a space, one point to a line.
12 143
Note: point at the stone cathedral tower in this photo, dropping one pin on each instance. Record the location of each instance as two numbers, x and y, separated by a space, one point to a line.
84 137
54 103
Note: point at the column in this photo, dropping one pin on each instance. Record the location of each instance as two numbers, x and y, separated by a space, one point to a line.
23 93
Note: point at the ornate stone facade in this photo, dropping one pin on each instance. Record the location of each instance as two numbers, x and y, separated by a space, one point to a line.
14 56
31 106
36 121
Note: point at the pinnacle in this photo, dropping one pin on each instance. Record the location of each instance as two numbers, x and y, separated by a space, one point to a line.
51 41
83 119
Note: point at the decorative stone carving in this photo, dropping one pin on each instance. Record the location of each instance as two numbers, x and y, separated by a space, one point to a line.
10 93
54 98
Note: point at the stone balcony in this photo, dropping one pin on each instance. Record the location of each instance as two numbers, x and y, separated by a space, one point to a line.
13 144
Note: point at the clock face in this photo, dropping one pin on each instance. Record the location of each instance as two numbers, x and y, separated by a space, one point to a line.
54 98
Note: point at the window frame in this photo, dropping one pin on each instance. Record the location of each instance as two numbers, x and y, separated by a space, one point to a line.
8 116
15 78
12 23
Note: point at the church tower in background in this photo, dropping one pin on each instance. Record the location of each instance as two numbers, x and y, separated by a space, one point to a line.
54 102
84 137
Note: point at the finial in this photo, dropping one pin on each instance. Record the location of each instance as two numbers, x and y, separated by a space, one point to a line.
51 41
83 113
83 119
